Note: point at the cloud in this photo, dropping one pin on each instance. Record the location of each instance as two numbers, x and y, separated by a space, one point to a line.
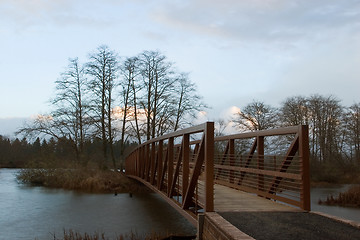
33 11
284 22
329 69
261 21
25 14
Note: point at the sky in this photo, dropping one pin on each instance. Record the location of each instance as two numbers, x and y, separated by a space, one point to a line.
235 51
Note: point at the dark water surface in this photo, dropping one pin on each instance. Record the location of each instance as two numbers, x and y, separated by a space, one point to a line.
37 212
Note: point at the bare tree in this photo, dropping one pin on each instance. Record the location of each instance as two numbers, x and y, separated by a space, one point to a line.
325 123
68 119
158 82
220 127
352 121
294 111
155 98
129 90
70 100
187 101
103 70
256 116
42 125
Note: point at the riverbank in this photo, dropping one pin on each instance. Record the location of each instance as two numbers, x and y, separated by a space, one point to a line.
81 179
72 235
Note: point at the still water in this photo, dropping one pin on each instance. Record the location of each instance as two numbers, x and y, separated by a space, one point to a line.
321 193
37 212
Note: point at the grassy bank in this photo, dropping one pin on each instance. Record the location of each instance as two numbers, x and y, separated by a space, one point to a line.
81 179
350 198
71 235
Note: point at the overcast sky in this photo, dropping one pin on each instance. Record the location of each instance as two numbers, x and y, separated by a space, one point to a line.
235 51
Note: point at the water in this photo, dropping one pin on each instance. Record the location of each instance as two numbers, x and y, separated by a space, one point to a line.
343 212
37 212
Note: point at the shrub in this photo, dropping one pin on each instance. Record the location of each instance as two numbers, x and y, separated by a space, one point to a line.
350 198
82 179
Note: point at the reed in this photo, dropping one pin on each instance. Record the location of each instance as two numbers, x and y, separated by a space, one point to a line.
350 198
72 235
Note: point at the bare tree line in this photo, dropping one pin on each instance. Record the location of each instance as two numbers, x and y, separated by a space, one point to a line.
133 98
137 98
334 130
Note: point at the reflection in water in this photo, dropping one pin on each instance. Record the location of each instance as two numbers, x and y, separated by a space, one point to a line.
37 212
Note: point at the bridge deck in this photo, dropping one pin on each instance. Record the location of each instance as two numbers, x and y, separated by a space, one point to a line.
228 199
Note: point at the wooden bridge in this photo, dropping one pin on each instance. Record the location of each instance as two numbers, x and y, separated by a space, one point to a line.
198 173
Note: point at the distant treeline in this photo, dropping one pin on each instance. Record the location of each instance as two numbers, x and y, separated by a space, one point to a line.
52 153
334 138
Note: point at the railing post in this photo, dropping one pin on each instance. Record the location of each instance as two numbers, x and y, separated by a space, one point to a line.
260 161
135 161
185 165
143 162
139 163
232 159
153 163
305 167
209 167
160 163
147 162
170 165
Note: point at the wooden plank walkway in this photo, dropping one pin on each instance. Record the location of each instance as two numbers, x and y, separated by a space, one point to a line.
229 199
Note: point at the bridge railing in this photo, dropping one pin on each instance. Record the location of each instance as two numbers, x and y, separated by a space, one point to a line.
272 163
180 166
183 166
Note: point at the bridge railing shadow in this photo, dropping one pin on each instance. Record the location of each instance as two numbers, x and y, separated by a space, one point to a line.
183 166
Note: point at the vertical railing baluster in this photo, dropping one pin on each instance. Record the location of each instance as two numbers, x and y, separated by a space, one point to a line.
305 167
260 162
231 159
170 165
153 163
160 164
143 164
209 167
148 161
185 165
